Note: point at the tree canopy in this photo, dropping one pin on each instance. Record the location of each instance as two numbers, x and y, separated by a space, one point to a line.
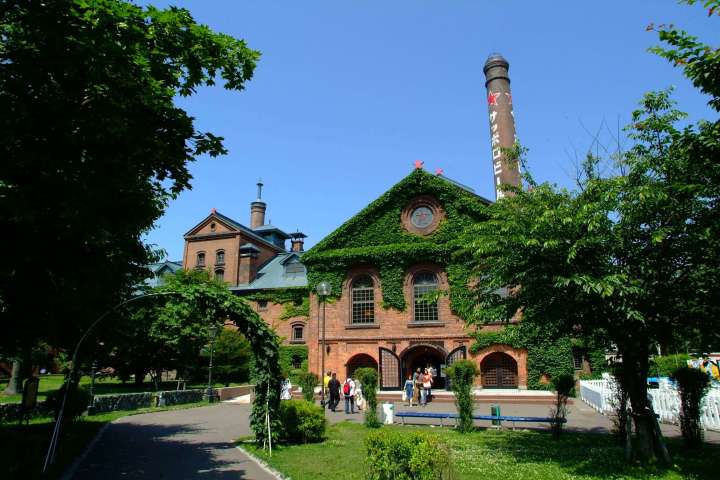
93 148
633 256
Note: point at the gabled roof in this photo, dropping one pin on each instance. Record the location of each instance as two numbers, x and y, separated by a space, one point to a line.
232 224
418 179
271 228
272 275
159 269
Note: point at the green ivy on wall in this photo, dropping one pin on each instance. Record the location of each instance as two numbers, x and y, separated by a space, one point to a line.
295 301
377 238
548 354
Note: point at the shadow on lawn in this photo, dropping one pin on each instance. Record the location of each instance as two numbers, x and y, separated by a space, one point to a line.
598 454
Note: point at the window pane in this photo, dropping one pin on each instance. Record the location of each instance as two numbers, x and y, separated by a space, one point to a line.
425 311
297 333
363 301
220 257
201 259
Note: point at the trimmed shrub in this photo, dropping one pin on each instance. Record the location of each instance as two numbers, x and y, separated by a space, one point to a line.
665 366
302 422
462 375
693 385
406 456
564 386
77 402
368 378
307 382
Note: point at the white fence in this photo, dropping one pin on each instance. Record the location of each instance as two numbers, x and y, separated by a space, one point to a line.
666 402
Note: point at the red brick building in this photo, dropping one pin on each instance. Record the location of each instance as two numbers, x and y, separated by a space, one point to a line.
401 293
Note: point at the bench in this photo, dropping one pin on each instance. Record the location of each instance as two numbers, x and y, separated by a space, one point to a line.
508 418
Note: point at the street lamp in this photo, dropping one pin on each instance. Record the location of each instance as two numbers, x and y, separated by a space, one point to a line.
210 392
323 289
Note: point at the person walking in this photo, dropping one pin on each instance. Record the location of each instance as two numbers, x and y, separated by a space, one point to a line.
409 390
349 394
326 381
334 392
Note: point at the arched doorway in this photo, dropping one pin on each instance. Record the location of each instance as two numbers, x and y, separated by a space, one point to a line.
361 360
499 370
420 356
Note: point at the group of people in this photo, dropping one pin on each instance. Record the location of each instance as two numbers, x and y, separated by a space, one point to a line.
350 390
418 386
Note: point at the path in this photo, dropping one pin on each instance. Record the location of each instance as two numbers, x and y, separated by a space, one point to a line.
179 444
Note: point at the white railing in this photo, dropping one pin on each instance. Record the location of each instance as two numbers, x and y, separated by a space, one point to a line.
666 401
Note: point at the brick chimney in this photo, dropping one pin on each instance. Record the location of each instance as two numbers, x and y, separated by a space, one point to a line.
502 122
257 209
248 263
297 242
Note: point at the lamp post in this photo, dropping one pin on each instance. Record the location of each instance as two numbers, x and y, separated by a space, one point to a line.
210 392
323 289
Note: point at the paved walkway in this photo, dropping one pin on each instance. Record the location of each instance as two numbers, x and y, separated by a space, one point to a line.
197 443
194 443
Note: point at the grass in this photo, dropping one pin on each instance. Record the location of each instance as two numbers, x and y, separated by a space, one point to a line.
491 454
23 447
51 383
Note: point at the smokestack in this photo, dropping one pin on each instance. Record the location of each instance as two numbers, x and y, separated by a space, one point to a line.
502 122
257 209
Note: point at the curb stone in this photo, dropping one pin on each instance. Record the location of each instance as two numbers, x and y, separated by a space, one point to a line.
261 463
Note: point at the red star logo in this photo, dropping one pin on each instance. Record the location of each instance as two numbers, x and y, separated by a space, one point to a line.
492 98
438 171
419 164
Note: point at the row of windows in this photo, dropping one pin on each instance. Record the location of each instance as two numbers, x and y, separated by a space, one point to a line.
219 258
363 299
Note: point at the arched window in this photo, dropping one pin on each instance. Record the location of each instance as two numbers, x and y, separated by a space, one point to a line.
423 284
220 275
220 257
363 301
200 259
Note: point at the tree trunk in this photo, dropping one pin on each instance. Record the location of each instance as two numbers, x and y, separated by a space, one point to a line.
139 376
634 378
14 385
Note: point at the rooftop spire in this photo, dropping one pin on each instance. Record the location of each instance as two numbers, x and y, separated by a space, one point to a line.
259 185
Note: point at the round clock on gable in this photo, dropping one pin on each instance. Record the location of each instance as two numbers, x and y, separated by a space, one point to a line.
422 215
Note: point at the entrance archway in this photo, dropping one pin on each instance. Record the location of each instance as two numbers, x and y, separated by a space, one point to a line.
361 360
499 370
420 356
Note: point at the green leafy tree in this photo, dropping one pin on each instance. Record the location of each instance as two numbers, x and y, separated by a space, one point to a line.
93 147
634 256
462 375
231 357
368 379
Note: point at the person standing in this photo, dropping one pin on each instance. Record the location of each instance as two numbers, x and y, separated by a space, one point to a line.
409 390
326 381
333 391
349 394
426 385
417 382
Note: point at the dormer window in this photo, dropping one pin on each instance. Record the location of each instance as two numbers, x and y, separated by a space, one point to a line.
220 257
294 268
200 262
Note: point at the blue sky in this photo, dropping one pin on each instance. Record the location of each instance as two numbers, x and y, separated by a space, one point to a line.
348 94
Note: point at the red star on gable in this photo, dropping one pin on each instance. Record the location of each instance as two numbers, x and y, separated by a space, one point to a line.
438 171
419 164
492 98
213 211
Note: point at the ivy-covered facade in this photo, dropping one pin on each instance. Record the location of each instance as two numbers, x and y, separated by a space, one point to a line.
401 297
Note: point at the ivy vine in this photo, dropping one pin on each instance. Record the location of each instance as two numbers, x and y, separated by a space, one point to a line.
295 300
376 237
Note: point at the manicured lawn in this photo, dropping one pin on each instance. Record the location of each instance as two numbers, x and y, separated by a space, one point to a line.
23 447
490 454
50 383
